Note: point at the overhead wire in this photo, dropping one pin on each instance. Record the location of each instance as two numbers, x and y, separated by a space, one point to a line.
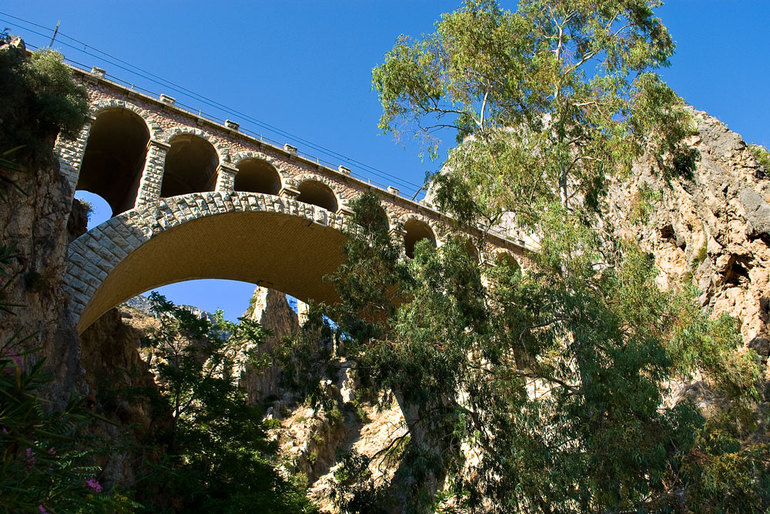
158 80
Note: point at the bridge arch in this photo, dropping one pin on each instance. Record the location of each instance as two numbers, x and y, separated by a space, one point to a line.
316 190
248 154
223 153
250 237
191 165
98 106
416 228
114 156
500 256
257 174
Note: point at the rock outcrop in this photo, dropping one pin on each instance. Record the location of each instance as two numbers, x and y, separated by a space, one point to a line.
119 387
711 229
270 309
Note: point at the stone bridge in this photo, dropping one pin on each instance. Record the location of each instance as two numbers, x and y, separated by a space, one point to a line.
192 198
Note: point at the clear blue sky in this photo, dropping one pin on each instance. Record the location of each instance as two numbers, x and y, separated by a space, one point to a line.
305 67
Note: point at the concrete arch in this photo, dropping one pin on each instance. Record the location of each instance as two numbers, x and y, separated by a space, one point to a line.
275 163
222 152
153 128
270 239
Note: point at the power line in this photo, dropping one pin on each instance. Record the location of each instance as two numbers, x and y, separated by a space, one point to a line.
158 80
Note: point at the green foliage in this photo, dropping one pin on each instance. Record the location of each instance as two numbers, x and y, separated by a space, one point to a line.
643 204
699 257
40 101
353 491
762 156
557 377
45 464
559 94
306 360
556 371
218 457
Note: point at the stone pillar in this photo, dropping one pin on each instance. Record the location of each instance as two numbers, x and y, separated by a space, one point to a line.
398 238
152 176
288 190
344 208
70 153
226 177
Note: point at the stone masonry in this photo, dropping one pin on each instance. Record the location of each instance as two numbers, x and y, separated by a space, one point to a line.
95 256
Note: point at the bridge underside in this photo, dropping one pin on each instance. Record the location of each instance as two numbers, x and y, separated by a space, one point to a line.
278 250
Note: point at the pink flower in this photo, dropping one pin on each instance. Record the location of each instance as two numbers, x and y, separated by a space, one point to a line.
52 451
16 359
42 509
30 459
93 484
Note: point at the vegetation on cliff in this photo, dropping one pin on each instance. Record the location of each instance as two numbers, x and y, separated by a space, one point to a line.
215 454
548 389
46 463
555 388
40 101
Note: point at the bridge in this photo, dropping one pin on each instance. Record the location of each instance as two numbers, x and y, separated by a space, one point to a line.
193 198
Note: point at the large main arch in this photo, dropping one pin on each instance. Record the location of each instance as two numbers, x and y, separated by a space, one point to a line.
258 238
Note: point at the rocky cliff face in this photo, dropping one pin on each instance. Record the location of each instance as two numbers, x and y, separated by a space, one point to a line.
33 223
118 382
35 203
712 229
271 310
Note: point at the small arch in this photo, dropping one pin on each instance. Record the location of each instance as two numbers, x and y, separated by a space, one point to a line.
380 218
376 216
317 193
114 157
250 154
191 166
504 257
223 154
257 176
97 208
102 105
415 231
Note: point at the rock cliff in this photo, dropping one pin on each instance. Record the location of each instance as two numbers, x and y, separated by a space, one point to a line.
711 229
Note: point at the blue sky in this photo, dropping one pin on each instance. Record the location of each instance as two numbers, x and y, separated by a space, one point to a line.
305 68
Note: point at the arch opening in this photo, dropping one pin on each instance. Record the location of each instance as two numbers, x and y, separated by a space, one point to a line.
264 248
257 176
505 258
209 295
317 193
98 209
114 158
191 166
376 217
416 231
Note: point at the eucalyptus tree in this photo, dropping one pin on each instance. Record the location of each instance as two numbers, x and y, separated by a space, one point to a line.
554 380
